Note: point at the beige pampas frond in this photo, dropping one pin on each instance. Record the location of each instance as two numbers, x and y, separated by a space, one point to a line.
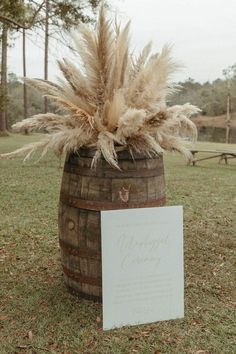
130 124
180 126
77 82
110 101
28 150
139 64
69 141
147 90
46 87
106 145
116 109
120 60
186 109
105 42
74 98
155 120
143 143
173 143
97 55
47 122
178 122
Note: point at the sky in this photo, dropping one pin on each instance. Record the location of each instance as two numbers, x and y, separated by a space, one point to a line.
203 34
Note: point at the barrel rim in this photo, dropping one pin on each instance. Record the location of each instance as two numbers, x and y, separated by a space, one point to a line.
123 154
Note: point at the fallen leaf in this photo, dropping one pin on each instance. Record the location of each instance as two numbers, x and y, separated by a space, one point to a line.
98 319
89 343
53 346
3 318
30 335
145 334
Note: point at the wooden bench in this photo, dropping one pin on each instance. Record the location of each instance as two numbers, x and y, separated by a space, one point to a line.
223 155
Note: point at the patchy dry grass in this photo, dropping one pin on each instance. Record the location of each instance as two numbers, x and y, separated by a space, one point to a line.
39 316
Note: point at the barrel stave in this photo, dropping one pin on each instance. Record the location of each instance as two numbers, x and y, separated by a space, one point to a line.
84 193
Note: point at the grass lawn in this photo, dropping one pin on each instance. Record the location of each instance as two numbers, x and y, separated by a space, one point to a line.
38 315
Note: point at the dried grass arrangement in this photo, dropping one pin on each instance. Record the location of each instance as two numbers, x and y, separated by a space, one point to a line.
112 101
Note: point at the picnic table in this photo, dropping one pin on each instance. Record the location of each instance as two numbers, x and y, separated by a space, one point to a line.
222 154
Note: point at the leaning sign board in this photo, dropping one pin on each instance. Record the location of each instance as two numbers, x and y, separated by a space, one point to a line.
142 265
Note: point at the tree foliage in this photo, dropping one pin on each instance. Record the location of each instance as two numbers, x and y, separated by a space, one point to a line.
68 13
12 9
16 15
210 97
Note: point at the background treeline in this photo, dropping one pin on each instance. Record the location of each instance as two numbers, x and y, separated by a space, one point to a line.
15 112
50 19
210 97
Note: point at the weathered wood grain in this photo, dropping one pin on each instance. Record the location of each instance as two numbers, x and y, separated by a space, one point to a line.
84 193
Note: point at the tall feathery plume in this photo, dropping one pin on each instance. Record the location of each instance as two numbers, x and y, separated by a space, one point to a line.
110 101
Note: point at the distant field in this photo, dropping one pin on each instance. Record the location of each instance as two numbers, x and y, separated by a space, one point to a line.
39 316
217 121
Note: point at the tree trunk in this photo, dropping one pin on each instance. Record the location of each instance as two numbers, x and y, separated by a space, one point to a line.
46 52
228 120
3 106
24 75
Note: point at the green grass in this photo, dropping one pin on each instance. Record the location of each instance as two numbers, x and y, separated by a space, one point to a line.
38 315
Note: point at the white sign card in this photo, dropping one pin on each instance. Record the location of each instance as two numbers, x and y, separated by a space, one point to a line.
142 265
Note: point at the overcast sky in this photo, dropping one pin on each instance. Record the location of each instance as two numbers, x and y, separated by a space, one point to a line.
203 33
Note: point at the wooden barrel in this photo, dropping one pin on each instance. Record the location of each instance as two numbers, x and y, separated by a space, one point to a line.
84 193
